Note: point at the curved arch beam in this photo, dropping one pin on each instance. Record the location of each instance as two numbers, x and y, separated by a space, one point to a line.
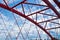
52 7
26 17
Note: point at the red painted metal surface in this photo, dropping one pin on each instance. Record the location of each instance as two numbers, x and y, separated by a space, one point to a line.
49 6
52 7
37 12
26 17
57 2
52 28
19 3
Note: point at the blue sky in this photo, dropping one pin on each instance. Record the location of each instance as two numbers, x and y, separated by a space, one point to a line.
10 26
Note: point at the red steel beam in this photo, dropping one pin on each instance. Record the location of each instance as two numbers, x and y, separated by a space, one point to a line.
42 14
26 17
35 4
49 20
52 7
47 14
19 3
5 2
37 12
55 23
57 2
52 28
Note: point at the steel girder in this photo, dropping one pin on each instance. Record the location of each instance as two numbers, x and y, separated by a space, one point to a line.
20 14
31 20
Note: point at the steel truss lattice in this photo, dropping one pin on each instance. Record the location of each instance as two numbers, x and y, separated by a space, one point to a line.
33 19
